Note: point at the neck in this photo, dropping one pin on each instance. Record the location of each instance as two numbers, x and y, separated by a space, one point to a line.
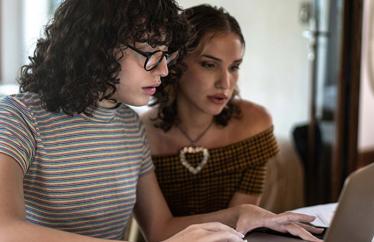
194 127
193 124
194 140
193 121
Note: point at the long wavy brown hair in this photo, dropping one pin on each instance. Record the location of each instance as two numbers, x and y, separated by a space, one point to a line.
202 20
75 64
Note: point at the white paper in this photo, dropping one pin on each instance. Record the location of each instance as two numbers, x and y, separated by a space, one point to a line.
323 213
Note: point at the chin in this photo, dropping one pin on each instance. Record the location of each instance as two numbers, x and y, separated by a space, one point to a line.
215 111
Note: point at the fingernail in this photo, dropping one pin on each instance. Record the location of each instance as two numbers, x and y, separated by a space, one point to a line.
241 235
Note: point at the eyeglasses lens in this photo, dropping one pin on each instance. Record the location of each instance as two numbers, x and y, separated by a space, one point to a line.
155 59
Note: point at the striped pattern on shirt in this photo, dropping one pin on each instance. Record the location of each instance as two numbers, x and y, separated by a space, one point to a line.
80 172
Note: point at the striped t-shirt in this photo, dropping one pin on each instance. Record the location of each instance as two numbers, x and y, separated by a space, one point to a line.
80 171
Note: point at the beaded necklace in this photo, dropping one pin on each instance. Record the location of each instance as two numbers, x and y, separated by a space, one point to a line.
192 149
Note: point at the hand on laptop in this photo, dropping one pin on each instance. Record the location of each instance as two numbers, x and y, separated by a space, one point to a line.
207 232
252 217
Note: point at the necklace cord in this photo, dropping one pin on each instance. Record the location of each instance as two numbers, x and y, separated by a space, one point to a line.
194 141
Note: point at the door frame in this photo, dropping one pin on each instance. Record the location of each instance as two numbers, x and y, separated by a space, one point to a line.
345 153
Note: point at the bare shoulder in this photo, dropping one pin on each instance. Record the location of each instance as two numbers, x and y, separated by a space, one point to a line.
255 113
254 119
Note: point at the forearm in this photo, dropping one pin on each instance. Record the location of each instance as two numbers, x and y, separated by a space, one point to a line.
157 222
240 198
13 230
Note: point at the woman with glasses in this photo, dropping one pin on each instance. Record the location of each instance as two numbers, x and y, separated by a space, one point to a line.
209 147
74 160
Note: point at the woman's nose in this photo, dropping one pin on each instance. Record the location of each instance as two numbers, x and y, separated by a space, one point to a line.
162 68
224 80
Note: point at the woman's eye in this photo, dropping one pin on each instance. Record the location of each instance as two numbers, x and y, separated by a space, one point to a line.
235 67
207 64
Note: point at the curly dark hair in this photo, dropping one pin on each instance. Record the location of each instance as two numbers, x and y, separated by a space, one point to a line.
75 63
202 19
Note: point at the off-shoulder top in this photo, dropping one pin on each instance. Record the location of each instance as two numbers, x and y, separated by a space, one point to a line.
237 167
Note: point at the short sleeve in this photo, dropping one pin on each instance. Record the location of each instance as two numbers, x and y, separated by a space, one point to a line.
16 135
253 179
263 147
147 164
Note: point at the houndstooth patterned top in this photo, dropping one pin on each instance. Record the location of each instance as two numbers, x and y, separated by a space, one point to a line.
238 167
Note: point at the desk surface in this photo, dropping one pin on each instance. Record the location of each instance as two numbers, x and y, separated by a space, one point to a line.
263 237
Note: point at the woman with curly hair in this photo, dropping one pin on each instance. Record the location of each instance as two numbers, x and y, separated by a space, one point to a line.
74 160
209 147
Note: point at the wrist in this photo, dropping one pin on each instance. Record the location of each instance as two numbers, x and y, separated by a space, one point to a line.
253 215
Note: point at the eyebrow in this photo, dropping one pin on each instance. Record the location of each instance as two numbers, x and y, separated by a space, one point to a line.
217 59
211 57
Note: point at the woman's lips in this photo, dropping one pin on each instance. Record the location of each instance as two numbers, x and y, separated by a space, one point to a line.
149 90
218 99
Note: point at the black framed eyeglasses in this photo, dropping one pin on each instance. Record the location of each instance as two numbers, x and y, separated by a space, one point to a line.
153 59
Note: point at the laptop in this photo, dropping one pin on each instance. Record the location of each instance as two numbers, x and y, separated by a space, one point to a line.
353 220
354 217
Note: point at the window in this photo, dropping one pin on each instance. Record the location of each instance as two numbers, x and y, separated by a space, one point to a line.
35 16
21 24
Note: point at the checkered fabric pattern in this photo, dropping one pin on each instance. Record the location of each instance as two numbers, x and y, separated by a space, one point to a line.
238 167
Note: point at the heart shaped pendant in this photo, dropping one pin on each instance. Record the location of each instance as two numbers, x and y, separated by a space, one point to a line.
193 150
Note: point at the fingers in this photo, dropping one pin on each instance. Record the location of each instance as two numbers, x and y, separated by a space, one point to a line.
207 232
216 232
296 230
216 226
311 228
295 224
302 220
221 236
291 217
